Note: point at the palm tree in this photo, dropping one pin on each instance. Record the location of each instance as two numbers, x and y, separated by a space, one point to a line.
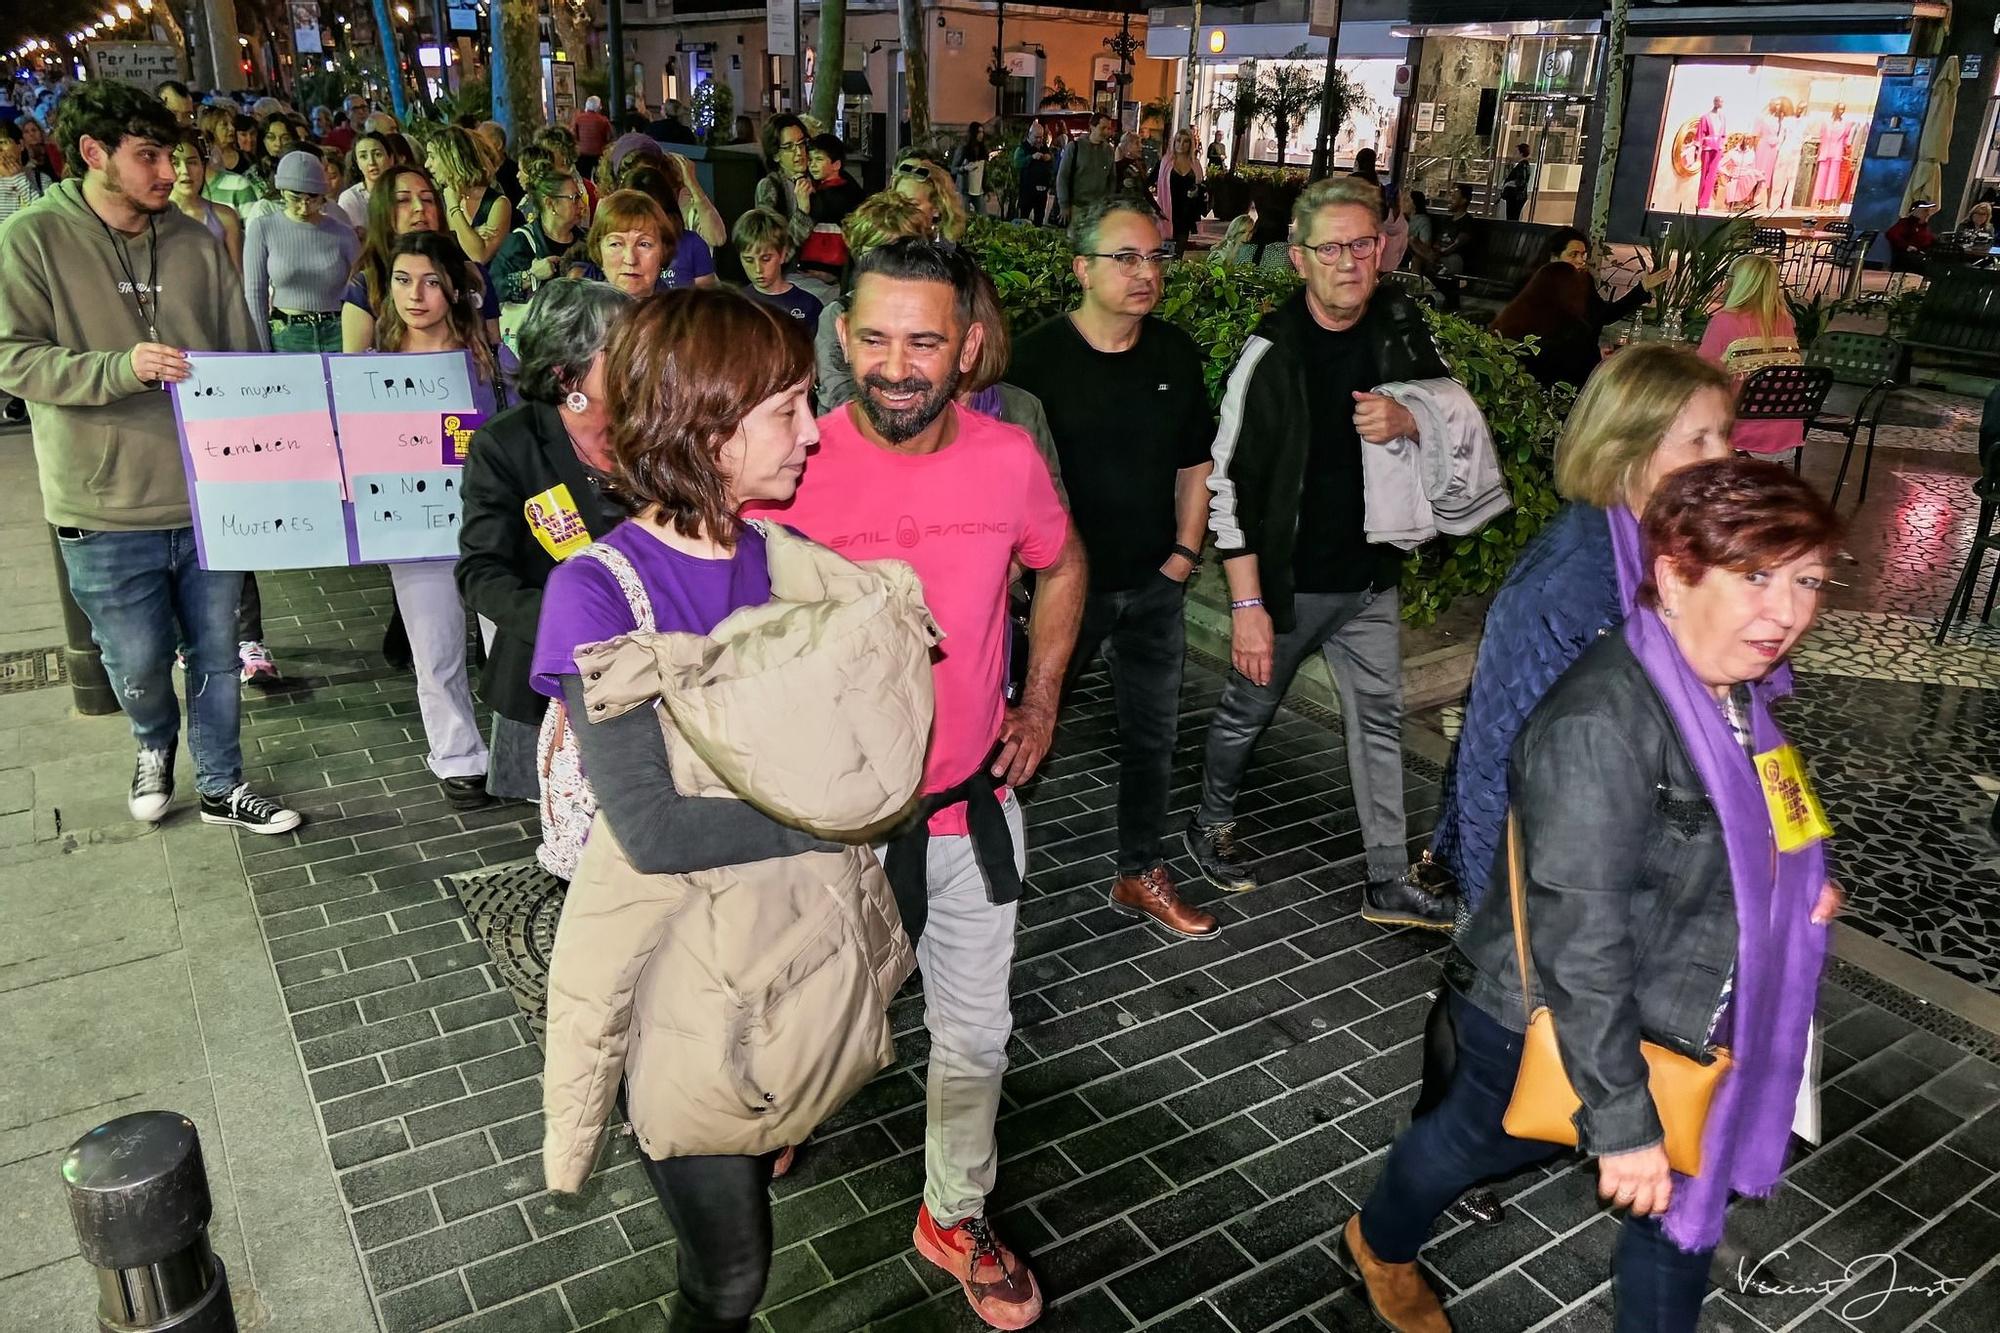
916 72
1290 91
1242 100
828 67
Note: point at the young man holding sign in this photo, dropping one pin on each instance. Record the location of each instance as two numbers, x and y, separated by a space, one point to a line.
102 286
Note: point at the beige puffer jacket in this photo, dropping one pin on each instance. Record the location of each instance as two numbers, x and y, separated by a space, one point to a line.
745 1004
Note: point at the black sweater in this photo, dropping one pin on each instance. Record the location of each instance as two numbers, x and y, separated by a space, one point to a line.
502 568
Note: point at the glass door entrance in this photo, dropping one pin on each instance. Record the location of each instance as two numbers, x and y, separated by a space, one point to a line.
1552 129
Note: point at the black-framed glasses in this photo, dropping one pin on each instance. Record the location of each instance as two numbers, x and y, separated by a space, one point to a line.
1361 247
912 167
1130 261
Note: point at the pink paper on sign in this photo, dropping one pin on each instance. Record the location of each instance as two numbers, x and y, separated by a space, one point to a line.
390 442
288 446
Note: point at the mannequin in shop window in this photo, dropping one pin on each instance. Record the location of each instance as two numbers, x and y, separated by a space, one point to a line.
1830 184
1740 178
1771 133
1711 138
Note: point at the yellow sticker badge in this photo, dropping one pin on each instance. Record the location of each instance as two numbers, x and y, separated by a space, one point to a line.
556 523
1796 814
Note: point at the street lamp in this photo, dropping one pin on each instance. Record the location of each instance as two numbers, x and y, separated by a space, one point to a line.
124 13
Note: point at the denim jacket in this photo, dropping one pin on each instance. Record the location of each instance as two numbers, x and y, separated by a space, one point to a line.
1631 913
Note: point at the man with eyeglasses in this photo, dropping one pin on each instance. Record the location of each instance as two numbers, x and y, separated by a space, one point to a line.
1125 401
1289 513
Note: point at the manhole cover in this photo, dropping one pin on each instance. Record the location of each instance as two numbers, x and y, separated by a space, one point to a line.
31 669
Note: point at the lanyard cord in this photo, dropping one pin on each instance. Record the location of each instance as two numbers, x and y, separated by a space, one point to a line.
147 297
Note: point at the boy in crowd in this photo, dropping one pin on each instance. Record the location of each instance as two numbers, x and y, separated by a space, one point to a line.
834 195
761 243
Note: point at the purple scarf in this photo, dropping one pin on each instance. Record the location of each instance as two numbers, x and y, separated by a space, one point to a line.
1779 951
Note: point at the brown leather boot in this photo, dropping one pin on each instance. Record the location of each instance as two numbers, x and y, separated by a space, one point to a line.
1397 1293
1151 895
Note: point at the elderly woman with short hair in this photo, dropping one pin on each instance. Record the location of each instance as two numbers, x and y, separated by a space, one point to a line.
535 492
1671 888
1651 410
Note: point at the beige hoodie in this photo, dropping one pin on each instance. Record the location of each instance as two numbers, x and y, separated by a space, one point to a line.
104 442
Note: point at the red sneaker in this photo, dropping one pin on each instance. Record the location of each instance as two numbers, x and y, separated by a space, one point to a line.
999 1286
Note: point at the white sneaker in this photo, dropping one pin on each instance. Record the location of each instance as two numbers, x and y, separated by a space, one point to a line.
152 786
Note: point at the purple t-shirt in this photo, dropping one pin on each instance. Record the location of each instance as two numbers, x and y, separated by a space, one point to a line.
583 603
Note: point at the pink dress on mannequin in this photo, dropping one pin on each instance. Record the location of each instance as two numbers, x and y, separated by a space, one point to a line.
1833 136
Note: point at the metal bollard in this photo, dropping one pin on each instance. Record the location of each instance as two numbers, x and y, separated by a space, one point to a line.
89 688
138 1194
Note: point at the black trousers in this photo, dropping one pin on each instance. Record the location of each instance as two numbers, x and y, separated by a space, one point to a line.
721 1211
1145 633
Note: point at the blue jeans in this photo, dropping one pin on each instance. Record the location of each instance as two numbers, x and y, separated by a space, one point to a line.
1657 1286
146 595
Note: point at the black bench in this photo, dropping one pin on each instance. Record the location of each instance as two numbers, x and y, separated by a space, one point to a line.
1504 255
1959 320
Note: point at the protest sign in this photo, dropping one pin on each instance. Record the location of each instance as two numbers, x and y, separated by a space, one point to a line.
263 468
298 460
391 410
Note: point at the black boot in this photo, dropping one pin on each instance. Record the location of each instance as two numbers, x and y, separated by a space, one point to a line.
1405 902
1214 849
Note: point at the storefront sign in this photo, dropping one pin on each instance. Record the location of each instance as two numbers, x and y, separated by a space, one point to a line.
143 64
781 29
1895 65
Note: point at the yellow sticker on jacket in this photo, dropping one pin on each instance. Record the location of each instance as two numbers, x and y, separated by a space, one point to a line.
557 524
1797 817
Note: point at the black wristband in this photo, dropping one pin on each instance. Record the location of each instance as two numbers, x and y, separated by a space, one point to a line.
1194 557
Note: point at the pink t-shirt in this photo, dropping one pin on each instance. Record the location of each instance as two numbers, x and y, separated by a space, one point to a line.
958 517
1730 327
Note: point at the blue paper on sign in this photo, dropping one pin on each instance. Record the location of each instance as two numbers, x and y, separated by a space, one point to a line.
225 386
271 524
406 515
401 382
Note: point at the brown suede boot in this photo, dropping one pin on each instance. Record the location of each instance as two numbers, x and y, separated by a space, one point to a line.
1397 1293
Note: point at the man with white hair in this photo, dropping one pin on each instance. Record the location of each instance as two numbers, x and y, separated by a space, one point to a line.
592 129
1289 515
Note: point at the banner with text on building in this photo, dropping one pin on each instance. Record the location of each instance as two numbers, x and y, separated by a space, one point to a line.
296 461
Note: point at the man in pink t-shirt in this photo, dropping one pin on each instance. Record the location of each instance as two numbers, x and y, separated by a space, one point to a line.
903 473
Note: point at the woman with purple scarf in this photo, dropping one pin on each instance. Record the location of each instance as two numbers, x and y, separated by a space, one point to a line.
1648 411
1664 904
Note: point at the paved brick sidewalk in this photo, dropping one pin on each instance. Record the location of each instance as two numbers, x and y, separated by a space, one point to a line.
1186 1123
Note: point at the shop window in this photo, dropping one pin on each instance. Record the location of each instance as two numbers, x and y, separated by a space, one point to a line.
1781 138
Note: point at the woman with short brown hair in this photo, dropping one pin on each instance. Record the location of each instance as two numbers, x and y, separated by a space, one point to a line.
1670 861
731 1051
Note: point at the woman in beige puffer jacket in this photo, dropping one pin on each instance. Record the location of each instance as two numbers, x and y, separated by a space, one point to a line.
729 945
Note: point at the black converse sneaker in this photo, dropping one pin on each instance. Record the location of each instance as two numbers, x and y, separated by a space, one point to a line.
152 786
247 810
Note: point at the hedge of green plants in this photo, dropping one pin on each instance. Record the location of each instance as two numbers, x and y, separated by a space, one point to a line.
1219 307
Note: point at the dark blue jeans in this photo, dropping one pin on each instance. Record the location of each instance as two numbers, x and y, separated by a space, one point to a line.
1144 633
1657 1286
147 595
